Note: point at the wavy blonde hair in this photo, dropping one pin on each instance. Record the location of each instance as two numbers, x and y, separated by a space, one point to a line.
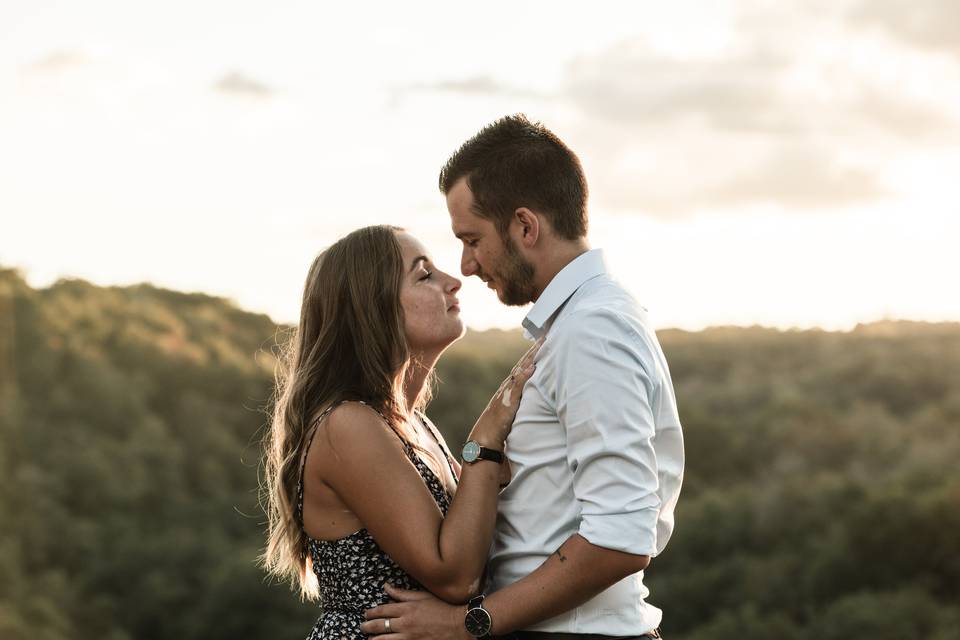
349 345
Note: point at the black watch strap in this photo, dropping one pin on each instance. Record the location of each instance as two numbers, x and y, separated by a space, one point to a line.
474 451
478 621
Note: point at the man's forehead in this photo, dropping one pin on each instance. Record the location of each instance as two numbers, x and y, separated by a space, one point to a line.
466 222
460 194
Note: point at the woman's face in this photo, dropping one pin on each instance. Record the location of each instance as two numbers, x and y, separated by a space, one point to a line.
429 299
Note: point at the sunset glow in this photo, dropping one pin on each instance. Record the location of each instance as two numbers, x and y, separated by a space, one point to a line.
749 162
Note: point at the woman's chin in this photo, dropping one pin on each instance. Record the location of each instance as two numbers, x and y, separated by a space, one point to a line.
458 331
439 342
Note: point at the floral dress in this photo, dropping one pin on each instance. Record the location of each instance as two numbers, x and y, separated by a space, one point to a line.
351 570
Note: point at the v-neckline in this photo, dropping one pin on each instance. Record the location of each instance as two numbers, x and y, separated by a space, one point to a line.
443 448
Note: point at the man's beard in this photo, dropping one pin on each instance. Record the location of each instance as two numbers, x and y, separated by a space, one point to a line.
515 276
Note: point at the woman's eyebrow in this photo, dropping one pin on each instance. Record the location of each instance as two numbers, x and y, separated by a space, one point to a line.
417 260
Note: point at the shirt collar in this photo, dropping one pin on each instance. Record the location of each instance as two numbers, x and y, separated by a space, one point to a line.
582 268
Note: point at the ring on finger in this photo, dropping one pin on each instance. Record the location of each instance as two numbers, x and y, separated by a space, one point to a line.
386 624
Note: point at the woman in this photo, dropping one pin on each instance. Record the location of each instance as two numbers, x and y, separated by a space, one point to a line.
377 498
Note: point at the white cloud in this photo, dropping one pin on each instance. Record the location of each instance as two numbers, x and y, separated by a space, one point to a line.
239 84
801 113
933 25
58 61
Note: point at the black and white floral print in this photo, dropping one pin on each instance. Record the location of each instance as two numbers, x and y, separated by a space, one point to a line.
351 571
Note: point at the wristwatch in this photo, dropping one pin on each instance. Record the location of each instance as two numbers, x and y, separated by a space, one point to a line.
478 621
472 451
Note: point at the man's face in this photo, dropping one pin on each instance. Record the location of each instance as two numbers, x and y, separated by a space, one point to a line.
487 255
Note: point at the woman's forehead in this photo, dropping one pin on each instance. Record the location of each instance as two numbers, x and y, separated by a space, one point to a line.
411 247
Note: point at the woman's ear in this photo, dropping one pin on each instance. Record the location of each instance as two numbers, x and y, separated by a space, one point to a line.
526 227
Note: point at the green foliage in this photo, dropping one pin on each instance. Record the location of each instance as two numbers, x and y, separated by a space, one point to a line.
822 495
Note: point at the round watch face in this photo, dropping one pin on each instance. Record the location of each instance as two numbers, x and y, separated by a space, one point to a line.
477 622
471 451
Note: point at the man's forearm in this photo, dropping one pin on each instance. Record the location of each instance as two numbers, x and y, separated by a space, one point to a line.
576 572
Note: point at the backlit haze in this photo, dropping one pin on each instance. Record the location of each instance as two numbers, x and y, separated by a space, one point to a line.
783 164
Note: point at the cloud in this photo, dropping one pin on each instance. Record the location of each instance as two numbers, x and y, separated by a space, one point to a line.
793 112
476 84
747 92
480 85
891 113
238 84
57 62
631 83
925 24
801 178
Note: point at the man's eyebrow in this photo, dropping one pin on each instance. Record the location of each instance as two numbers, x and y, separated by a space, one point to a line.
464 234
417 260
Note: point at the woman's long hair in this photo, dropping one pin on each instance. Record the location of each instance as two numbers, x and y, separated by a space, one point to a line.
349 345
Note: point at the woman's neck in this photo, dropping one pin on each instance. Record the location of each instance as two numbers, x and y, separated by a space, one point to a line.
421 364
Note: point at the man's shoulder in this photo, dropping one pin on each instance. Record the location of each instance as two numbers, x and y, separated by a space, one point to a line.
605 313
602 300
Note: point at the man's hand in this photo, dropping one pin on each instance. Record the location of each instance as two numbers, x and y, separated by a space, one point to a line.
415 615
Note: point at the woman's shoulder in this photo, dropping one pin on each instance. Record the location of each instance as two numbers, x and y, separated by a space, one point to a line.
354 425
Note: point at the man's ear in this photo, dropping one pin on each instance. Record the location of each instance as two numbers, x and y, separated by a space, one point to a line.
526 227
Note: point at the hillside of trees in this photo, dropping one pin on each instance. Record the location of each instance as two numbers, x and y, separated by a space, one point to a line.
821 499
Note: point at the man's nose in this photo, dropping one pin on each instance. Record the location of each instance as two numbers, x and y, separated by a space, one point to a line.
468 265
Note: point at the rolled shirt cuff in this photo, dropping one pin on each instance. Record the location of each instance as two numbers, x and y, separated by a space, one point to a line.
631 532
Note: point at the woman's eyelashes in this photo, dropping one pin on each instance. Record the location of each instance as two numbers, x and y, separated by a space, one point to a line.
427 273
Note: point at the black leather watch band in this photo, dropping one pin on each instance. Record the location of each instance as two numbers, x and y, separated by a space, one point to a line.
473 451
477 620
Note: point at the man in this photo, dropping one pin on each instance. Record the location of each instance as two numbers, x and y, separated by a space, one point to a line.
596 449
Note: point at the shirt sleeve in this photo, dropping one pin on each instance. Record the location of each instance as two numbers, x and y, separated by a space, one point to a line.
605 399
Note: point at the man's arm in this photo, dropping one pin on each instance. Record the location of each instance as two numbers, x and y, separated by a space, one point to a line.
575 573
605 405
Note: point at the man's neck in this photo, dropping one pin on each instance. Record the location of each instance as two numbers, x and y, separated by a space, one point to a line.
555 259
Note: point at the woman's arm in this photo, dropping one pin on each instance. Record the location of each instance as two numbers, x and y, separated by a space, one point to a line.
366 465
575 573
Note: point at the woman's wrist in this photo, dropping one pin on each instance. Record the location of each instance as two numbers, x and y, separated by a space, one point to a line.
485 438
489 432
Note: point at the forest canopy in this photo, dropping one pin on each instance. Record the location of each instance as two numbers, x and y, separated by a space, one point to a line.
821 498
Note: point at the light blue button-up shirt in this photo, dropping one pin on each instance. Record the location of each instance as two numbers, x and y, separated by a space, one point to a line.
596 447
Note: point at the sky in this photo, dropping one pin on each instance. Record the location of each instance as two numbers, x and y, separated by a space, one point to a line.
781 164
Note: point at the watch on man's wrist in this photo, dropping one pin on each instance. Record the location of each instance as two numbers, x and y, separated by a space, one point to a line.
473 451
477 621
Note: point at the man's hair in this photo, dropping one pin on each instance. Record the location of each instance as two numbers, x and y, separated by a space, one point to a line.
515 163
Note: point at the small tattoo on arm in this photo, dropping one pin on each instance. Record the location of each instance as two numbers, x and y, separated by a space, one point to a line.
560 555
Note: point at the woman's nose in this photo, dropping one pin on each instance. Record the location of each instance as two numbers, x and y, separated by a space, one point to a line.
454 285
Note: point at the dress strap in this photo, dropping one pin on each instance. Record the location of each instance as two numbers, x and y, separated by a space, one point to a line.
303 460
313 432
